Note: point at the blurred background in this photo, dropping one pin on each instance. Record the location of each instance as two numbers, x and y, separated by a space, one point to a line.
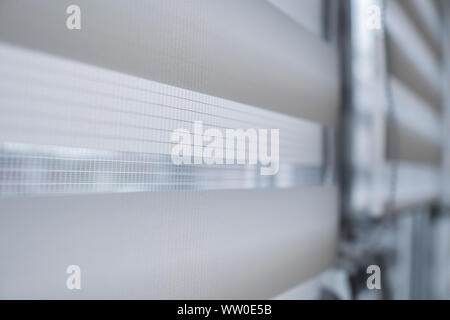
91 90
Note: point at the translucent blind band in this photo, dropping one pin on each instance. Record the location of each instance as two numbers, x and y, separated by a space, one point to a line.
399 185
70 128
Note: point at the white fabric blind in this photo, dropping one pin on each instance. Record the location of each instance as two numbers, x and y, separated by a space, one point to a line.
414 133
426 17
88 114
246 51
199 245
411 59
307 13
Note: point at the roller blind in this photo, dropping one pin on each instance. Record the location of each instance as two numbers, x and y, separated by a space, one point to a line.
396 99
414 142
85 137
